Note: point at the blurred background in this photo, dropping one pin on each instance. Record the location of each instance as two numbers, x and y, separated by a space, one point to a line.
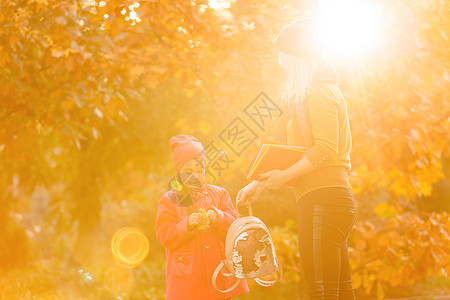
91 92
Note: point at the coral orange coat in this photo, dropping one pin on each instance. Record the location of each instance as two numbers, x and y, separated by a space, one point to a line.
192 256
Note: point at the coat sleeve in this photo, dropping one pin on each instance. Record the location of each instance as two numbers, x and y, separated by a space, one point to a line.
323 112
226 213
171 232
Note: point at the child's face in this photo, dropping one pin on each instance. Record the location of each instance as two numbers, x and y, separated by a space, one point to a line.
195 167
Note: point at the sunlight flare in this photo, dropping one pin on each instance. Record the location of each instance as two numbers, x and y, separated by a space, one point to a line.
349 27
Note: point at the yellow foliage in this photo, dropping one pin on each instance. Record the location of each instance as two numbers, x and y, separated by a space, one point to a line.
205 224
385 210
403 252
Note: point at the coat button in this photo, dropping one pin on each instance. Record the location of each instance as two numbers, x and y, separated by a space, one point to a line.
206 247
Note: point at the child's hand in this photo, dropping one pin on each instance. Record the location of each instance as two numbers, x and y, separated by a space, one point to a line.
212 216
194 220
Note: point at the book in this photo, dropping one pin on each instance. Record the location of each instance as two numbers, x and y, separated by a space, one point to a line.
275 156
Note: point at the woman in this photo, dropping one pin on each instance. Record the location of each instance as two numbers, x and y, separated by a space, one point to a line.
316 117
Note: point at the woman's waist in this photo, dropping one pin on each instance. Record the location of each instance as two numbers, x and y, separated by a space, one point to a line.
325 172
326 176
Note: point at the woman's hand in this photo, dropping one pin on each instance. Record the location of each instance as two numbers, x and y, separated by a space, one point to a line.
248 194
274 179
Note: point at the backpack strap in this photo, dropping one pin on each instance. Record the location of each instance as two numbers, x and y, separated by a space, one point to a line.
267 283
216 273
250 212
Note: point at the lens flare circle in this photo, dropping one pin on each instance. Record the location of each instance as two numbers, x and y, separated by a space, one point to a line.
129 247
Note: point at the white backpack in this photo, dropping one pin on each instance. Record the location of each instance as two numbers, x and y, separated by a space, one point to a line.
249 253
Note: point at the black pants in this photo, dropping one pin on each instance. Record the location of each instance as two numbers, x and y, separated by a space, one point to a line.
326 217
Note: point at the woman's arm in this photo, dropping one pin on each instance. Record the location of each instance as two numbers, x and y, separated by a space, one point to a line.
274 179
323 108
250 193
323 115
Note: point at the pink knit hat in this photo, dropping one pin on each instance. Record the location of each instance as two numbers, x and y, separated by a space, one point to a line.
185 148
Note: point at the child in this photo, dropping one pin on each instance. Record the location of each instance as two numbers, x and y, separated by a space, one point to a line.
193 232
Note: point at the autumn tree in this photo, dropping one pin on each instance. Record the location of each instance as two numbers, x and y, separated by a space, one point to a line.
93 90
